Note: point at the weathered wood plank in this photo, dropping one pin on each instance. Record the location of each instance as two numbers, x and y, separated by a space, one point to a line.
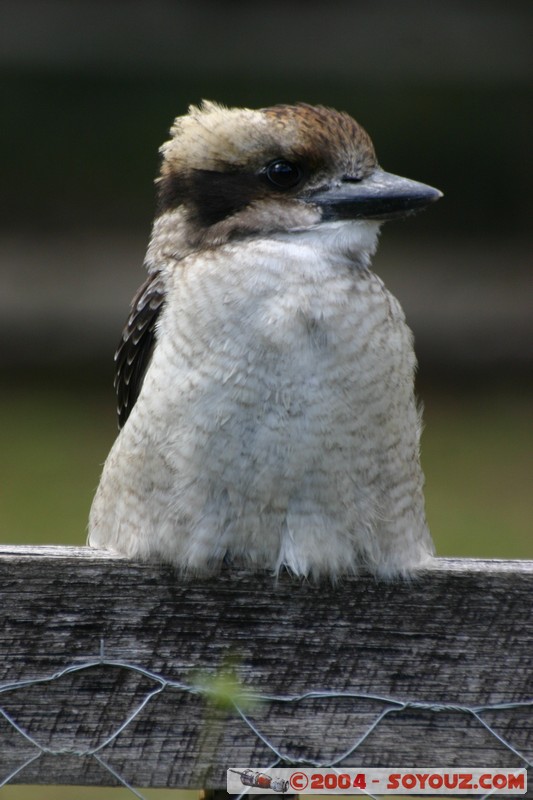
460 634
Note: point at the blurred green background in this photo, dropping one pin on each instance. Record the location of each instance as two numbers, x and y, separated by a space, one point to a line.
88 91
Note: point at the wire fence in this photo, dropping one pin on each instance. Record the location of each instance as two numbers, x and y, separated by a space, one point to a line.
241 702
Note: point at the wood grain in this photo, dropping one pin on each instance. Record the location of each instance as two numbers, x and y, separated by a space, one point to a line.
460 634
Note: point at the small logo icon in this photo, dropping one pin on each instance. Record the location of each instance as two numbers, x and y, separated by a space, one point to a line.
260 780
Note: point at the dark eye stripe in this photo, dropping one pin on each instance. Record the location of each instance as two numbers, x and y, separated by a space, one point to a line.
212 196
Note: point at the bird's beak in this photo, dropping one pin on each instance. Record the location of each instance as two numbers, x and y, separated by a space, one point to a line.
379 196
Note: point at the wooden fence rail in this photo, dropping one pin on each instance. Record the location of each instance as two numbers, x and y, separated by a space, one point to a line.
118 671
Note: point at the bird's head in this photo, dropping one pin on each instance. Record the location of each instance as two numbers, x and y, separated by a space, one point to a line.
229 172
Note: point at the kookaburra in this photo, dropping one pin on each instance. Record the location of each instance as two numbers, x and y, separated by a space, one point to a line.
265 374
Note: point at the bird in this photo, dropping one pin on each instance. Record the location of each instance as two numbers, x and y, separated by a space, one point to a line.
265 375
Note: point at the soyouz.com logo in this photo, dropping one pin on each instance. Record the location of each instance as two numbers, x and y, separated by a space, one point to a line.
437 780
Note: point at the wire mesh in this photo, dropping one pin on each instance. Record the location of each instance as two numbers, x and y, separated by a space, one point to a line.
240 701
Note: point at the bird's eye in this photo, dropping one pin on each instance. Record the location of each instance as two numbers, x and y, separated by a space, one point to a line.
283 174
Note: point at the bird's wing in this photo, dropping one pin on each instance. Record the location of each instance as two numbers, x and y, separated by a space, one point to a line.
134 352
